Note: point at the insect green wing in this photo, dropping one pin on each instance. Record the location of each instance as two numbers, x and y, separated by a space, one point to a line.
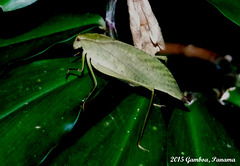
125 62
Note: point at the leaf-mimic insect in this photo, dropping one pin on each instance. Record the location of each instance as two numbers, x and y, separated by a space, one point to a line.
127 63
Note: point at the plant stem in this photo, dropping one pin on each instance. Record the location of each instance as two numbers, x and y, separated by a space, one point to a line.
110 18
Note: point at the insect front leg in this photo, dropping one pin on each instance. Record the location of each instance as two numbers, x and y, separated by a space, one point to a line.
145 122
94 81
79 70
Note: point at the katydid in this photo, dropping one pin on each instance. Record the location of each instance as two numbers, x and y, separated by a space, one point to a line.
127 63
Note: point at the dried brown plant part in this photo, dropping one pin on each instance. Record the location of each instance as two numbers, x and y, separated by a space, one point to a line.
193 51
190 51
146 32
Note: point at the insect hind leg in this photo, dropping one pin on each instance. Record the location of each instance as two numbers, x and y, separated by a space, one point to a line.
94 81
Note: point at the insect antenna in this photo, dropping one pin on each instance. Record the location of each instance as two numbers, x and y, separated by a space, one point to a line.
145 122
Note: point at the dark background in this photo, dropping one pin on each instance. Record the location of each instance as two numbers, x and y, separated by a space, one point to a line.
187 22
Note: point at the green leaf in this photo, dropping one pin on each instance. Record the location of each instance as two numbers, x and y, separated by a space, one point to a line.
113 139
198 134
234 96
10 5
38 107
3 2
56 29
229 8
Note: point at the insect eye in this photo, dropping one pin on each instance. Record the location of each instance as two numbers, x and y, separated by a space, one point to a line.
78 39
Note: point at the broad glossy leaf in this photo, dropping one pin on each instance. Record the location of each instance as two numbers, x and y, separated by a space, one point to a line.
113 139
200 134
9 5
229 8
56 29
25 83
38 107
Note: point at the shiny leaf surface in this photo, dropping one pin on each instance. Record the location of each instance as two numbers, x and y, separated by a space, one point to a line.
56 29
113 139
229 8
38 107
198 134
